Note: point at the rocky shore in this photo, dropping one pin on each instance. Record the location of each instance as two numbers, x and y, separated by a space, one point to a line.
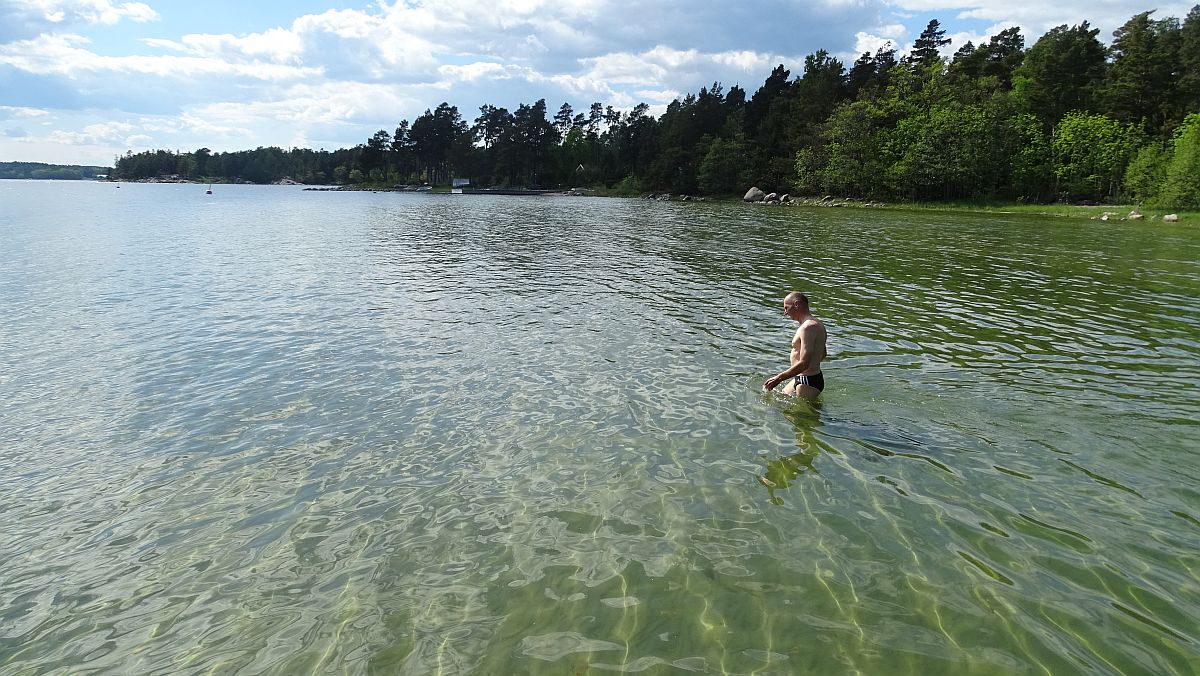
757 196
753 196
352 187
176 178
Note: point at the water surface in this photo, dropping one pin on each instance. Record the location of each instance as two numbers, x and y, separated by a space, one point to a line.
278 431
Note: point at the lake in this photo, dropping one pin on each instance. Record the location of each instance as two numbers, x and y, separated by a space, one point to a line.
277 431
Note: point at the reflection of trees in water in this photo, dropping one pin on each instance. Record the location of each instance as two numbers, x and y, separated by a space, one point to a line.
782 472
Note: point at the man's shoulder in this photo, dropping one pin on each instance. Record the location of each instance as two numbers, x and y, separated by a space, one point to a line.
813 328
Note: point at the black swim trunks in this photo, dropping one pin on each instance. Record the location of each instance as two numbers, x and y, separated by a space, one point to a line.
816 380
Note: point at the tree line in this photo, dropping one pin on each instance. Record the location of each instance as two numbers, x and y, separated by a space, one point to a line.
1064 119
56 172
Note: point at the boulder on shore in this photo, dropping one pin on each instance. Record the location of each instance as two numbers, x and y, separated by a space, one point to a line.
754 195
1171 218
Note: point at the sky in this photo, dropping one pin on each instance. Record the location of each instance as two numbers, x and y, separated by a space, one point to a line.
82 81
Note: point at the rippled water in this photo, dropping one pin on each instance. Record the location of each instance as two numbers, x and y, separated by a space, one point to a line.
276 431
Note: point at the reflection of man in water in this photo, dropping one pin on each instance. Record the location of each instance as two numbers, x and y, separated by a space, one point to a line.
808 349
781 472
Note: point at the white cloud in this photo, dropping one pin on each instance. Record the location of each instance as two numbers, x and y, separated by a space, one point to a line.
583 88
93 134
162 43
66 12
306 105
868 43
27 18
277 45
15 112
659 63
476 71
61 55
746 61
662 96
1036 18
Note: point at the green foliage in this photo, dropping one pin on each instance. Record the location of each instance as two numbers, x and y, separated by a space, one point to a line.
775 87
1092 152
809 168
1061 72
261 165
925 51
1145 175
56 172
980 72
870 74
1031 165
439 141
949 153
627 187
723 169
820 89
1139 85
1188 88
854 139
1181 189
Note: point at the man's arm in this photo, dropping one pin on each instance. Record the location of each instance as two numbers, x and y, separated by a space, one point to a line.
774 380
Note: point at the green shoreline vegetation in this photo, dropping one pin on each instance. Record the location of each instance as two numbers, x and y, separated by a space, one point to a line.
1108 212
1066 121
51 172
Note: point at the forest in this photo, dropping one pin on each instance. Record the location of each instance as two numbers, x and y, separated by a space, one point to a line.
55 172
1066 119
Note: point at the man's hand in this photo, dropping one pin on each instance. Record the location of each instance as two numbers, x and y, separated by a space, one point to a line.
772 382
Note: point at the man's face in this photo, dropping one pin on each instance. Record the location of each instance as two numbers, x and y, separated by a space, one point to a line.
790 307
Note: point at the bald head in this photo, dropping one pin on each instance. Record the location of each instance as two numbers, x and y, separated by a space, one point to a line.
797 299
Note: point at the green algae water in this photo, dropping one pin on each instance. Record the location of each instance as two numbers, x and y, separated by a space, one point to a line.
270 431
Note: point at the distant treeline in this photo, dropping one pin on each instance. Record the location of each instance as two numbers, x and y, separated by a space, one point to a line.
1065 119
58 172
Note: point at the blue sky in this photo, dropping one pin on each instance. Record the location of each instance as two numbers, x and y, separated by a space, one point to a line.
84 80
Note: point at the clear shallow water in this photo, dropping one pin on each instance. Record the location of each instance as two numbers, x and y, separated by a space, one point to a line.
276 431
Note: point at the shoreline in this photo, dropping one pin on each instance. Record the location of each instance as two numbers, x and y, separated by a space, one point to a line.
1097 212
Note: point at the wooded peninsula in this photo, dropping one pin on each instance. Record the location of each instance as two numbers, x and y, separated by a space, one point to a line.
1065 120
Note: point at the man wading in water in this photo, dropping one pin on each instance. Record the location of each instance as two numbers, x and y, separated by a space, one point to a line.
808 349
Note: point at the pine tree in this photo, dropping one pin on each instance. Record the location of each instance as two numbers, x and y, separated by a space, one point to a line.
1188 88
925 51
1139 85
1061 72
